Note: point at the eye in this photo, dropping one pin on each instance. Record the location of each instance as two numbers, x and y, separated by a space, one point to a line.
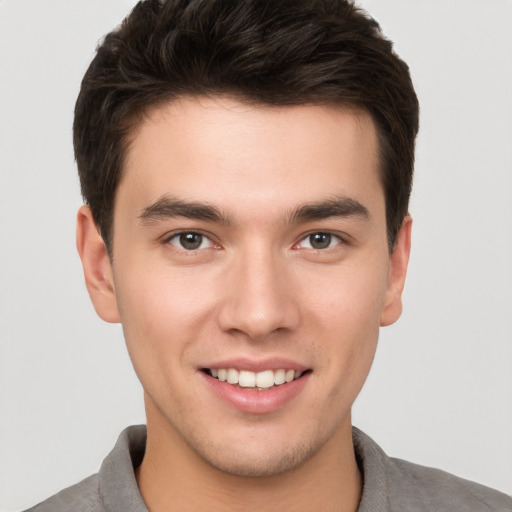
190 241
319 241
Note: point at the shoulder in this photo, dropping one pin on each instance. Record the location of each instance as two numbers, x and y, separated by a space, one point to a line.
113 488
396 485
81 497
414 487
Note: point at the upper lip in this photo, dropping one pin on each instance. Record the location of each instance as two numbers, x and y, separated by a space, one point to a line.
257 365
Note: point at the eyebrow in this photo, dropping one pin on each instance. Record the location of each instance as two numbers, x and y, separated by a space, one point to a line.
335 207
168 207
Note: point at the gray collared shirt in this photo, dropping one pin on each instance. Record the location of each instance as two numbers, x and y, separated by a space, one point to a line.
390 485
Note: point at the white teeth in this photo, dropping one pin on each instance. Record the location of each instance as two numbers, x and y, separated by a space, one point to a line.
232 376
265 379
261 380
279 377
247 379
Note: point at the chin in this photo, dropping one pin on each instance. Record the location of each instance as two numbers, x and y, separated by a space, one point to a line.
258 460
258 466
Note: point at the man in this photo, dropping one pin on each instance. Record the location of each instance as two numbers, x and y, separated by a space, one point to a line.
246 168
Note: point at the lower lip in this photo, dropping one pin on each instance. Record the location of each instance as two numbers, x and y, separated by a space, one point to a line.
255 401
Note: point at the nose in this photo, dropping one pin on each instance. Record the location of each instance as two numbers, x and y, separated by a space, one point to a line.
259 297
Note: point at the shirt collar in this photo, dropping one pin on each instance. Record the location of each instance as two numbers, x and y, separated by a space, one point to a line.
372 464
119 491
117 483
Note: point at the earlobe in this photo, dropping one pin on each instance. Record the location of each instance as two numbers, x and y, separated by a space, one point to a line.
97 266
397 273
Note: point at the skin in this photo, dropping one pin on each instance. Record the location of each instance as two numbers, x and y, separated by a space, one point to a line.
256 288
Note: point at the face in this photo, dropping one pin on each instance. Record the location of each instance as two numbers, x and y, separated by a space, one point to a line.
251 273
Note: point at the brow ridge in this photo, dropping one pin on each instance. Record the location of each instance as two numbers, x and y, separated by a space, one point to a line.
335 207
169 207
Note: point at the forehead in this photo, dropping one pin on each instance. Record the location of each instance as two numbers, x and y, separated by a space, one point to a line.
223 151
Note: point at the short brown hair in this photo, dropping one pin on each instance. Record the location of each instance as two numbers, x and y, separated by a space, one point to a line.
285 52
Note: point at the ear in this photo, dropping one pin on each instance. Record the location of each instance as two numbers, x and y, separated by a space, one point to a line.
98 274
397 272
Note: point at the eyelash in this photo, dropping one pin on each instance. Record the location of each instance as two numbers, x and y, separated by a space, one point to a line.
204 238
331 237
179 245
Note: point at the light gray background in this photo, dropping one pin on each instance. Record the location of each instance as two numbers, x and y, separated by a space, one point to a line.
440 392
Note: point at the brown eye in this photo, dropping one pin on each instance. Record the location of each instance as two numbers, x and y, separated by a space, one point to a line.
190 241
320 240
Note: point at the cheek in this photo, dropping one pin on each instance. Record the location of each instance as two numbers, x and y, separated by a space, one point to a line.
349 298
162 314
159 295
345 313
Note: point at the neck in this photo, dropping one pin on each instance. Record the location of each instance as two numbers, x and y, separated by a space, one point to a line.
172 477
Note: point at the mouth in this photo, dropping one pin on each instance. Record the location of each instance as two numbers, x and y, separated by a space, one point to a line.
259 381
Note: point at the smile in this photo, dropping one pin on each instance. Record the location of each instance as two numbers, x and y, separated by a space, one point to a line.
265 379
